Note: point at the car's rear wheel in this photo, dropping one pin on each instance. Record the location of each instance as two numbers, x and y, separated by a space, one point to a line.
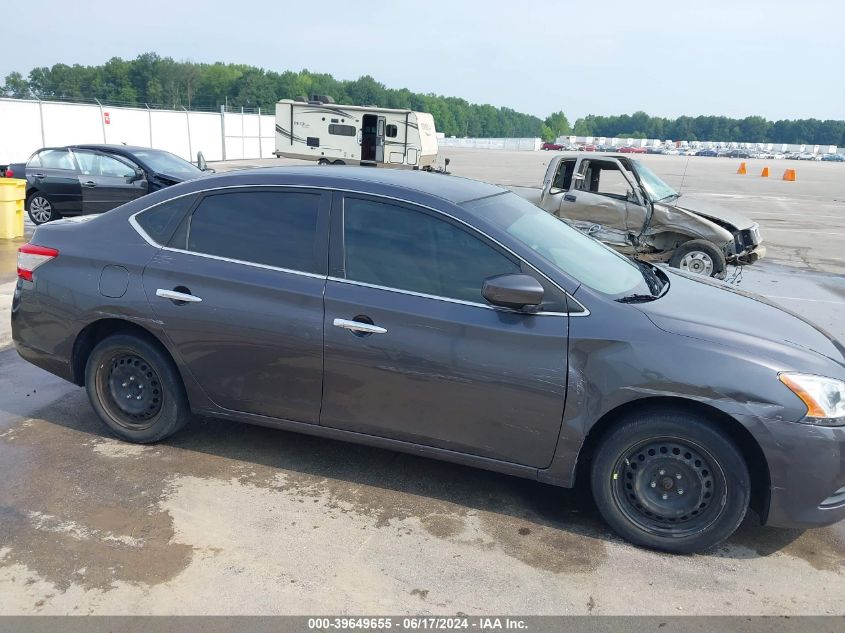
136 389
671 481
40 209
700 257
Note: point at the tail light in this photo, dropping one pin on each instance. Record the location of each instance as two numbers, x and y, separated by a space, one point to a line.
31 257
9 173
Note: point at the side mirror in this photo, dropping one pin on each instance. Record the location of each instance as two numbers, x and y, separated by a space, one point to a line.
201 164
447 161
138 175
516 291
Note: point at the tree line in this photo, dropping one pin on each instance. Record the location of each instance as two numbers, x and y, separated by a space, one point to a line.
163 82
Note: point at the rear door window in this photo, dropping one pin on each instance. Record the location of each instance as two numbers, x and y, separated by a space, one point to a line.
56 159
272 228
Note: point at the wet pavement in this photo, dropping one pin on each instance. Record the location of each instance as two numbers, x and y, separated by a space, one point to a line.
228 518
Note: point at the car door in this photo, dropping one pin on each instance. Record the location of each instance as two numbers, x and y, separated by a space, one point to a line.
107 181
54 173
601 202
239 291
414 353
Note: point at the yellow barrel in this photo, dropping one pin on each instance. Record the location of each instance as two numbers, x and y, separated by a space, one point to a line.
12 195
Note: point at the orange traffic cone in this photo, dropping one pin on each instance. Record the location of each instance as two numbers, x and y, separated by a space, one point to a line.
764 173
789 174
741 169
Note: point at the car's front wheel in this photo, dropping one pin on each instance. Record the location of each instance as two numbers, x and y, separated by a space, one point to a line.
40 209
135 388
670 480
700 257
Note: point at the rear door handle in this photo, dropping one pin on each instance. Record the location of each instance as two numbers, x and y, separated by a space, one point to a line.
569 197
358 326
89 183
38 175
173 295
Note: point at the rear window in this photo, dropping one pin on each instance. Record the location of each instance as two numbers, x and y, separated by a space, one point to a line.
273 228
160 221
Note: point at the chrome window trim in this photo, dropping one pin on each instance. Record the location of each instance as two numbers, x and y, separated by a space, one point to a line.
245 263
473 304
135 225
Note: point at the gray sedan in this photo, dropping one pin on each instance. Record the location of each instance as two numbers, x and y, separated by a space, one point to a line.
449 318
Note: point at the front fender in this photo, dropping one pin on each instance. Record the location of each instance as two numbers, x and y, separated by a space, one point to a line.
669 219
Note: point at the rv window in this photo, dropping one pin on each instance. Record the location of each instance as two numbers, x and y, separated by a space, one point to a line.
342 130
392 131
313 141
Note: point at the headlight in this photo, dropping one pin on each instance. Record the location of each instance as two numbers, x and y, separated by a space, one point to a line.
824 397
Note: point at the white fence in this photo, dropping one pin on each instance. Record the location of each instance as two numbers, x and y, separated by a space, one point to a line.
517 144
26 126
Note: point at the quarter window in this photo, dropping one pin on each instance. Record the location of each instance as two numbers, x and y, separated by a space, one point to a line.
342 130
161 221
264 227
397 247
391 131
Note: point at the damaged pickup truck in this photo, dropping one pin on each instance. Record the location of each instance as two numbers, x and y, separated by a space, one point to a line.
622 203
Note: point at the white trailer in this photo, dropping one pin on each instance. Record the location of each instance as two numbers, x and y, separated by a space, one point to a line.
331 133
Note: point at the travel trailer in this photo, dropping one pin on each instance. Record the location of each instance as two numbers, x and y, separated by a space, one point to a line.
335 134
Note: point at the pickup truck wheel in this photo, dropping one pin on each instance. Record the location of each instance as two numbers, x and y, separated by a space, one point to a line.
700 257
670 480
40 209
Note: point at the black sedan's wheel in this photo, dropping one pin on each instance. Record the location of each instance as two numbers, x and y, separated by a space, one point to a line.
670 481
40 209
135 389
700 257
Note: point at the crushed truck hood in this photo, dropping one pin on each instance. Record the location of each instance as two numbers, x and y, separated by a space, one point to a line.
711 210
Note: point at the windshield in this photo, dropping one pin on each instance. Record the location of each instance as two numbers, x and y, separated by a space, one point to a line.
167 163
656 188
587 260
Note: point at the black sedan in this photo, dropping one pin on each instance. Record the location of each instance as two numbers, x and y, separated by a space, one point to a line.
448 318
83 179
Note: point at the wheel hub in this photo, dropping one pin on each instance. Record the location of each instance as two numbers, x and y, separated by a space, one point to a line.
134 388
697 262
665 485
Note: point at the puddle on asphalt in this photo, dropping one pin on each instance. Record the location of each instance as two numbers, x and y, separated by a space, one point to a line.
81 508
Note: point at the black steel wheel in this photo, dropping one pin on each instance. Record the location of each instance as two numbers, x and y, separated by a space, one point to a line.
135 388
130 389
670 480
666 486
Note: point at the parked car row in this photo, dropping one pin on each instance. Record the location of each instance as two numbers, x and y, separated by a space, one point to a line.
692 151
83 179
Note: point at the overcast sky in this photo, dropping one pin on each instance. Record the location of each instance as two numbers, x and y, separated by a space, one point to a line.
778 58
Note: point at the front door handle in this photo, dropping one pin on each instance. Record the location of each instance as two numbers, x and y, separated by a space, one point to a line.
359 327
89 183
174 295
38 175
569 197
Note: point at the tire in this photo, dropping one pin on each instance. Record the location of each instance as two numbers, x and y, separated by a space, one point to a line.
700 257
40 208
338 162
638 471
324 161
156 405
